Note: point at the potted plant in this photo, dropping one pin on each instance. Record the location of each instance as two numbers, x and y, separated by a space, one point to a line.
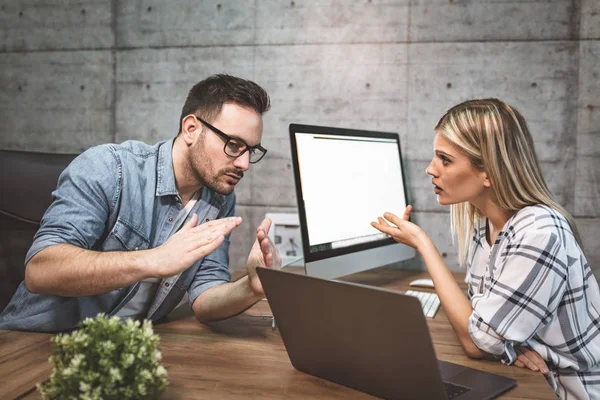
106 359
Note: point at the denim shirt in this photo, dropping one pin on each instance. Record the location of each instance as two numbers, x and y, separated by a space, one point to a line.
118 198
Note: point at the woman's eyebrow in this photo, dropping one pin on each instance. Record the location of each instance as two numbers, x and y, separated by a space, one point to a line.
443 153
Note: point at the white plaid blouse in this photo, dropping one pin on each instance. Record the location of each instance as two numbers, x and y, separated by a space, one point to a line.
534 288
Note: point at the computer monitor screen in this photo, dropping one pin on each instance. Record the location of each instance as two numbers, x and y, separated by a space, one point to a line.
346 178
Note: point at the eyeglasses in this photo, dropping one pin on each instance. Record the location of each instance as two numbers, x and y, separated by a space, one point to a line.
235 147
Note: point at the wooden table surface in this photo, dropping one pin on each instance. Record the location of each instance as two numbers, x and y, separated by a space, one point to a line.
243 357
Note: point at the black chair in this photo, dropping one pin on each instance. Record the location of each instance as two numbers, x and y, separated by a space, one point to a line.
27 181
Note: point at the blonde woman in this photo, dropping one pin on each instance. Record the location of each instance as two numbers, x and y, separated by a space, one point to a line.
532 296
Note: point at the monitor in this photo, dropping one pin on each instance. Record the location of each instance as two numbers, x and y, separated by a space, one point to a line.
346 178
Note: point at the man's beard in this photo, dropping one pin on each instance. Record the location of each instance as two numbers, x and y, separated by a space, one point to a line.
201 169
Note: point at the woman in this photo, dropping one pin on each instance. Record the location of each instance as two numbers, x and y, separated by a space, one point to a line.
531 291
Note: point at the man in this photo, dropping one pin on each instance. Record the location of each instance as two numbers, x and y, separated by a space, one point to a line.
133 227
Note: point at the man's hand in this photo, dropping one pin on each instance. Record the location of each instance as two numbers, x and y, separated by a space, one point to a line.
530 359
189 244
263 254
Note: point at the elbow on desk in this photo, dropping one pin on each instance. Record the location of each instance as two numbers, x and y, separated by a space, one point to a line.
31 280
34 287
203 314
472 351
474 354
34 281
469 347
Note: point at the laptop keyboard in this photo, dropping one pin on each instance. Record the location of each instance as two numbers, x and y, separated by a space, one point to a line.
430 302
453 390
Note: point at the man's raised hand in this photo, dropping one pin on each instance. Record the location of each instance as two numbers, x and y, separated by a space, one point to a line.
191 243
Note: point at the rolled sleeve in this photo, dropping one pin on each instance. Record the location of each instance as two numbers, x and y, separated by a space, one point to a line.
486 339
214 268
213 271
81 202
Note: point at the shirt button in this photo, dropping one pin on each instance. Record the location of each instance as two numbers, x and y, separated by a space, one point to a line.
207 219
170 219
166 284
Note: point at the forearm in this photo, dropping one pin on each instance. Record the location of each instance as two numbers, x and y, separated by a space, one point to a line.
224 301
457 306
67 270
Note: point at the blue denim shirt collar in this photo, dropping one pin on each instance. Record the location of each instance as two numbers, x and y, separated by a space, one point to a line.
165 185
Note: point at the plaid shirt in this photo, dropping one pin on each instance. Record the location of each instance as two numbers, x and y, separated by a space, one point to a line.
534 288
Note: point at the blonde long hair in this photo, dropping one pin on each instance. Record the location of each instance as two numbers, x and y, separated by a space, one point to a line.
495 138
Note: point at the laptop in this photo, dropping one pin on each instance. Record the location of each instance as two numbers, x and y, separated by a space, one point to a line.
366 338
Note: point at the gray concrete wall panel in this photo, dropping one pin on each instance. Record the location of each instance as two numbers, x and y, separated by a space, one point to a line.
493 20
590 19
539 79
152 85
331 21
55 102
589 229
155 23
28 25
587 184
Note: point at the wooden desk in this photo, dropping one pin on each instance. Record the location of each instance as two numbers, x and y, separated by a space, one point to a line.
243 357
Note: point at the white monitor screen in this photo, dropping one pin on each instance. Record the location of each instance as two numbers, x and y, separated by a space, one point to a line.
344 180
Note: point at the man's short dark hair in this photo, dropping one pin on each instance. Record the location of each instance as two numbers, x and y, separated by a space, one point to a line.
207 97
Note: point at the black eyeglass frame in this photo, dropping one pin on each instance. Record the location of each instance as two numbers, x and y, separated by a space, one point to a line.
228 138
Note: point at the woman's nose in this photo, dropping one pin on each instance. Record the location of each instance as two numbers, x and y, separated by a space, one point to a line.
430 170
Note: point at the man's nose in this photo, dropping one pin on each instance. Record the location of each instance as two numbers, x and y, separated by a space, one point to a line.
242 162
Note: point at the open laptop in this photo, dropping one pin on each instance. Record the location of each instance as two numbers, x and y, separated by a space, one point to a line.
370 339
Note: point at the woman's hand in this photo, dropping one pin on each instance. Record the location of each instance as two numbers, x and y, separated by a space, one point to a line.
401 229
530 359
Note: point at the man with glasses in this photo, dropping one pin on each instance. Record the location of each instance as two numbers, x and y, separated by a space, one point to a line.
134 227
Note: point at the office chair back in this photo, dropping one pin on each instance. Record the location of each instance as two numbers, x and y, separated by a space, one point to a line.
27 181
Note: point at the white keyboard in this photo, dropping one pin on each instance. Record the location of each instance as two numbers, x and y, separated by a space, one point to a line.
430 302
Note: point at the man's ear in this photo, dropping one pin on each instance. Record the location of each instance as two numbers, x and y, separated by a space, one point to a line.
190 128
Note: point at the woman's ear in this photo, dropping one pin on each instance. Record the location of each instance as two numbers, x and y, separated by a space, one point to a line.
485 180
190 128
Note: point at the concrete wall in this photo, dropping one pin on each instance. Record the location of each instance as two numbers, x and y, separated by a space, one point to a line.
80 73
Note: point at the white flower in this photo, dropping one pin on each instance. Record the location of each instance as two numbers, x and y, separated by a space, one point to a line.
129 360
147 329
161 371
142 389
146 375
84 387
142 351
115 374
108 345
